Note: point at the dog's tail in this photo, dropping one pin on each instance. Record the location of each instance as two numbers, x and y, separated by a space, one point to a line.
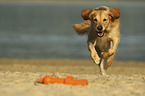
82 28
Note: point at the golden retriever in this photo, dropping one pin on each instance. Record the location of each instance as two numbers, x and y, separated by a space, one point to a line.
103 29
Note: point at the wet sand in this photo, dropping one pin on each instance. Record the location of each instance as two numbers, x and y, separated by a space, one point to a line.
17 78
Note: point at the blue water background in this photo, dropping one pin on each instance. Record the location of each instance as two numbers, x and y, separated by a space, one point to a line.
44 30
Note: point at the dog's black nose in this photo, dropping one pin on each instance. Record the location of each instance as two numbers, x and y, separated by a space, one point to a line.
100 28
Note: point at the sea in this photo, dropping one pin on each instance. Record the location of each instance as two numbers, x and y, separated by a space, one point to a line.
43 30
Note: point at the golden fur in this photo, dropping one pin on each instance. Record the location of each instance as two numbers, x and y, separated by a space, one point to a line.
103 29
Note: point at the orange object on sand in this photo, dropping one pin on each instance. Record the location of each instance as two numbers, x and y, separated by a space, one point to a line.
41 79
51 80
69 80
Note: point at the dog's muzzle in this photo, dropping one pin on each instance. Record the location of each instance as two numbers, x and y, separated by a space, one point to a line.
100 32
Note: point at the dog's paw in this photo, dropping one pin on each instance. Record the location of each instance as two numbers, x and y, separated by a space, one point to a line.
106 55
97 61
95 58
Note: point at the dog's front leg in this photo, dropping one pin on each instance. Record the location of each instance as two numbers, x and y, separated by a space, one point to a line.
102 67
93 52
113 46
94 55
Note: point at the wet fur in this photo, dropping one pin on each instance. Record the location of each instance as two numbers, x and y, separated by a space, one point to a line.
102 49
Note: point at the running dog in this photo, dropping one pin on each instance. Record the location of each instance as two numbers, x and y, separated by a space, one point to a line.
103 29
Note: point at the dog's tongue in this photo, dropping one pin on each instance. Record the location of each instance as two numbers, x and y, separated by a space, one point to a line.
101 34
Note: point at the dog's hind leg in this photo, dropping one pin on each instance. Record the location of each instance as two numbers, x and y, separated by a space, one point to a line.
102 67
109 61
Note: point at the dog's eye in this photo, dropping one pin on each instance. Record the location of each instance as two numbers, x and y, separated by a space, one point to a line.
95 19
105 20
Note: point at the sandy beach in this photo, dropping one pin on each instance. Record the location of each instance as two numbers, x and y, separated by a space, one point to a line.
17 78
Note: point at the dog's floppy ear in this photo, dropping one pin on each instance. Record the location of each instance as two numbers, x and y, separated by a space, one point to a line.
114 13
85 13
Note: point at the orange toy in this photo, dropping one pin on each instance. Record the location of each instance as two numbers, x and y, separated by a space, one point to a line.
69 80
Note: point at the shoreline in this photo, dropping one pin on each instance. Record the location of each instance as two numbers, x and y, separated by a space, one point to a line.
69 66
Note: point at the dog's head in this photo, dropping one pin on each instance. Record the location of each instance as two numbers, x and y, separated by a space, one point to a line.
101 18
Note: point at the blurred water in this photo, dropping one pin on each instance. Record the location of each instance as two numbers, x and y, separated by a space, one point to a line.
44 30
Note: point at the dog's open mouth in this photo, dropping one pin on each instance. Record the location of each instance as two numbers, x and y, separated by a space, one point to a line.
100 34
